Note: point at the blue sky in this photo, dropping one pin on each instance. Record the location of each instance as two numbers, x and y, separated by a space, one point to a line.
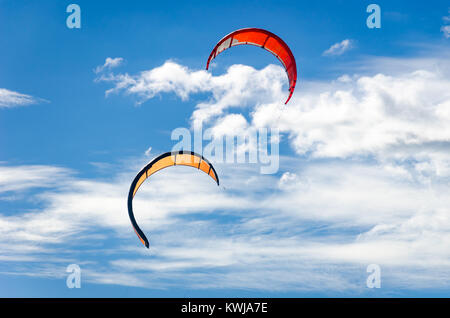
364 156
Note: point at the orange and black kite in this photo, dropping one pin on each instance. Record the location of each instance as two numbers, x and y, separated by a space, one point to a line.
168 159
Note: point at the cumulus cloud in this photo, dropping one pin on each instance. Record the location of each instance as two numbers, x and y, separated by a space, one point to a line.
373 115
339 48
109 64
240 87
9 99
399 116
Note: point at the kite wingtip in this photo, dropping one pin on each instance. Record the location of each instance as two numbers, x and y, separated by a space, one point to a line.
290 95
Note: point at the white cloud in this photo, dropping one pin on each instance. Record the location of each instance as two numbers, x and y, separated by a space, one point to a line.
398 118
339 48
288 180
377 115
321 223
148 151
109 64
446 30
240 87
21 178
9 99
232 124
368 184
401 116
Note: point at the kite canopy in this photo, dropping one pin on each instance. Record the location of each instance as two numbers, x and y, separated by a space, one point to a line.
168 159
266 40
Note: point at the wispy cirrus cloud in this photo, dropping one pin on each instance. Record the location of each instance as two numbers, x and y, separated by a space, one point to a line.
21 178
339 48
317 224
10 99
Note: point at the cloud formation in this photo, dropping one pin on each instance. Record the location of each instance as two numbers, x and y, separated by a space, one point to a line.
109 64
242 86
317 224
445 29
339 48
9 99
400 116
366 182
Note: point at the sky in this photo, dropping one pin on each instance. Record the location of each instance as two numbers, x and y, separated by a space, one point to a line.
364 150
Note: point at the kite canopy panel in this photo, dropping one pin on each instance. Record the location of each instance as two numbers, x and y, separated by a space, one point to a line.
168 159
266 40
